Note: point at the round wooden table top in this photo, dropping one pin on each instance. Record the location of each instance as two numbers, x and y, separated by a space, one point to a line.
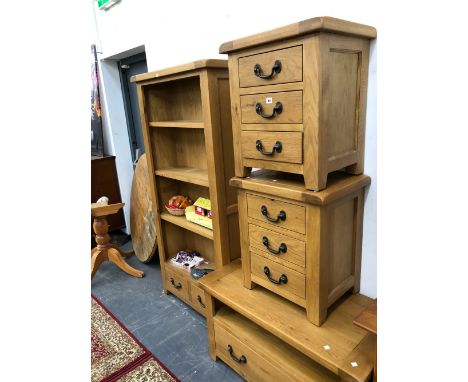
141 214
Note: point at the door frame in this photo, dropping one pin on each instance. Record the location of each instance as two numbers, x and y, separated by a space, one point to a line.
137 58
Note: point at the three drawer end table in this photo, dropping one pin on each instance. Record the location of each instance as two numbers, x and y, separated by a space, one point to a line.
302 245
298 98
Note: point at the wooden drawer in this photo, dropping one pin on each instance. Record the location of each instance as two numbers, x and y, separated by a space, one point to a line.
284 146
290 62
268 358
177 284
294 215
198 298
255 368
294 287
291 103
290 250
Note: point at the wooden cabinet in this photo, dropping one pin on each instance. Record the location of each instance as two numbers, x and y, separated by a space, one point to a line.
298 98
304 246
185 114
104 182
264 337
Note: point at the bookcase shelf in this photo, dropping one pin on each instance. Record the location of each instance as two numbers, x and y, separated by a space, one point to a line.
186 174
181 221
178 124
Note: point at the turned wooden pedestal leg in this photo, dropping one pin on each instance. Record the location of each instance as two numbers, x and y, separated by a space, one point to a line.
104 251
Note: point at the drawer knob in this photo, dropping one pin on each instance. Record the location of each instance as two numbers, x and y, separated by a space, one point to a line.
274 70
241 359
200 301
281 215
276 148
283 278
281 249
277 109
178 286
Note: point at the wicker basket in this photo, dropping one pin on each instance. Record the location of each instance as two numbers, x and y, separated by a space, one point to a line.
176 211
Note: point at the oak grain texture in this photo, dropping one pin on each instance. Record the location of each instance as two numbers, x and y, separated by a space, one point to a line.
291 67
295 249
291 146
309 26
142 224
331 108
287 321
293 290
187 127
291 101
290 365
328 233
295 214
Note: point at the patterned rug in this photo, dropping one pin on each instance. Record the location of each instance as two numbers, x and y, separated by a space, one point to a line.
116 355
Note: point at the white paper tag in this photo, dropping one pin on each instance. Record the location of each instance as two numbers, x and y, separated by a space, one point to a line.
354 364
326 347
269 100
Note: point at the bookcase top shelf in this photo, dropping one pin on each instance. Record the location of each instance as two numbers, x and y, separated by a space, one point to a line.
194 65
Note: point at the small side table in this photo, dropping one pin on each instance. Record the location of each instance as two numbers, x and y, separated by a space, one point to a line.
105 250
367 320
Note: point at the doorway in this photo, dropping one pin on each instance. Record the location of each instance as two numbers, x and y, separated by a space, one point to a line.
128 67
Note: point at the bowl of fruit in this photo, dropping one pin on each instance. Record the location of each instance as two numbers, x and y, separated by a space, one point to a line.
176 205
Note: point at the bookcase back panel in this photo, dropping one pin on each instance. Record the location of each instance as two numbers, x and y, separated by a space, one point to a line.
167 188
176 238
178 147
175 100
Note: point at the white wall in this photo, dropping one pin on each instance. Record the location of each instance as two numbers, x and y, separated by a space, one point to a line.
177 32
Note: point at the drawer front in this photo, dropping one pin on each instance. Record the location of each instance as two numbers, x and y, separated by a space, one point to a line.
198 298
177 284
277 245
263 108
267 65
292 282
255 368
277 213
272 146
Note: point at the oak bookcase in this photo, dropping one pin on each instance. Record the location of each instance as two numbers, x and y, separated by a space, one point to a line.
186 122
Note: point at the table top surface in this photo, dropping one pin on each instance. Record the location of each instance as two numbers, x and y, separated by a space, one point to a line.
335 345
367 319
291 186
313 25
99 209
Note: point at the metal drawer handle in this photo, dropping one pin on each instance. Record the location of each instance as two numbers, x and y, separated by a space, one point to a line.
281 249
274 70
200 301
277 109
178 286
276 148
241 359
281 215
283 278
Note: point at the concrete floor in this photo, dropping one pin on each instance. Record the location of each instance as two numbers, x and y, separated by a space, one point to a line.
167 327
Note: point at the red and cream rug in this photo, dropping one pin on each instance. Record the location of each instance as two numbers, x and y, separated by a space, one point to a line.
116 355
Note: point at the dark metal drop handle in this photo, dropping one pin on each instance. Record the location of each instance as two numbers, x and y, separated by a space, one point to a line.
200 301
178 286
274 70
281 215
277 109
281 249
283 278
241 359
276 148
